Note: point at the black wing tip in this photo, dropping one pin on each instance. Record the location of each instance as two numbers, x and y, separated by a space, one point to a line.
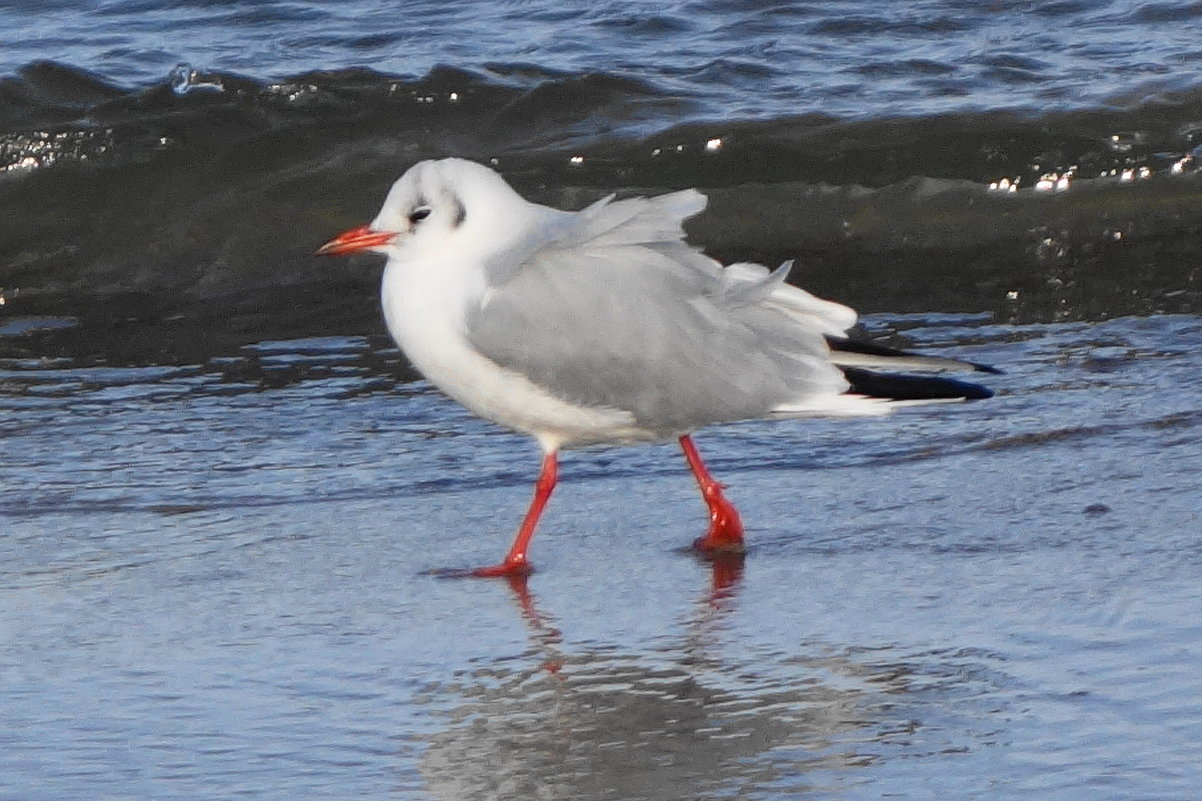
848 345
901 386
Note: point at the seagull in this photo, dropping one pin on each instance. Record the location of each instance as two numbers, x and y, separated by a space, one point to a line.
603 326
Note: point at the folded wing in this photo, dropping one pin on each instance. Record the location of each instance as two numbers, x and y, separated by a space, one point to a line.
617 311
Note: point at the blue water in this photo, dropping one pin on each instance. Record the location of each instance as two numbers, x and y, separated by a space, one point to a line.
736 60
222 489
213 585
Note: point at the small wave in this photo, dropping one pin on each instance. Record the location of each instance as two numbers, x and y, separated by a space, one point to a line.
206 204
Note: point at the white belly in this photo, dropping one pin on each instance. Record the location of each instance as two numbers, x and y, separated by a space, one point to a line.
425 312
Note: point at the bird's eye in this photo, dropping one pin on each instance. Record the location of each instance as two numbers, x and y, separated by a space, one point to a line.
419 214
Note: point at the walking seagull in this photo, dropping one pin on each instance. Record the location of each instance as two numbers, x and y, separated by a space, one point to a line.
605 326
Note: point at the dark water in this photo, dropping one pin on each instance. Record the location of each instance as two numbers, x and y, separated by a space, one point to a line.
220 485
183 159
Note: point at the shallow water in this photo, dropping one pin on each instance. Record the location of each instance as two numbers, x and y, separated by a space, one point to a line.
213 585
222 490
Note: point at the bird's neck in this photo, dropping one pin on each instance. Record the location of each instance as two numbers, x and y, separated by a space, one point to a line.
428 294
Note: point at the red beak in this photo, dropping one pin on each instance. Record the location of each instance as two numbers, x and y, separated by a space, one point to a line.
355 240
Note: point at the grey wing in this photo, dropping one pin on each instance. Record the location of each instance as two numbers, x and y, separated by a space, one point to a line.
657 330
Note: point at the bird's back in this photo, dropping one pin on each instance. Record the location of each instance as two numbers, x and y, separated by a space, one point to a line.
619 313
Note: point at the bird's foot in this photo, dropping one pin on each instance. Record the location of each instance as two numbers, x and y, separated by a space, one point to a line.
714 545
725 534
506 569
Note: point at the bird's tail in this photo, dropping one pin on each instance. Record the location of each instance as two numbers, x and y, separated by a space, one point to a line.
876 371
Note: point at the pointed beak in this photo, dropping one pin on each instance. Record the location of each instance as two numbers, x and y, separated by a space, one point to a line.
355 240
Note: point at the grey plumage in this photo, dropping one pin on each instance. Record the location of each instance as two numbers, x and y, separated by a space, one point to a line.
618 312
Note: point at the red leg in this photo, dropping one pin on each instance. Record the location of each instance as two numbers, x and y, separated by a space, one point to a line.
515 562
725 534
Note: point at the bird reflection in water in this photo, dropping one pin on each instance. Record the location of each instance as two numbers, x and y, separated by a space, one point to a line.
726 572
546 637
693 714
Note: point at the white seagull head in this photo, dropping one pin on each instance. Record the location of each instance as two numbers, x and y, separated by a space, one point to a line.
434 207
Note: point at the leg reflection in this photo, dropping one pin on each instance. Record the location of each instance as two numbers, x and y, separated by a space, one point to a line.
726 573
546 637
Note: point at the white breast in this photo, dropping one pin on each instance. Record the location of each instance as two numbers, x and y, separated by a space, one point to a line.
425 308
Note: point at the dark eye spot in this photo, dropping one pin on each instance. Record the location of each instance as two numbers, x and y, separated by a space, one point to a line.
419 214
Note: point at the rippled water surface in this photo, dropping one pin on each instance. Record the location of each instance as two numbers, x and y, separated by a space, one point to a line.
212 585
222 491
736 59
